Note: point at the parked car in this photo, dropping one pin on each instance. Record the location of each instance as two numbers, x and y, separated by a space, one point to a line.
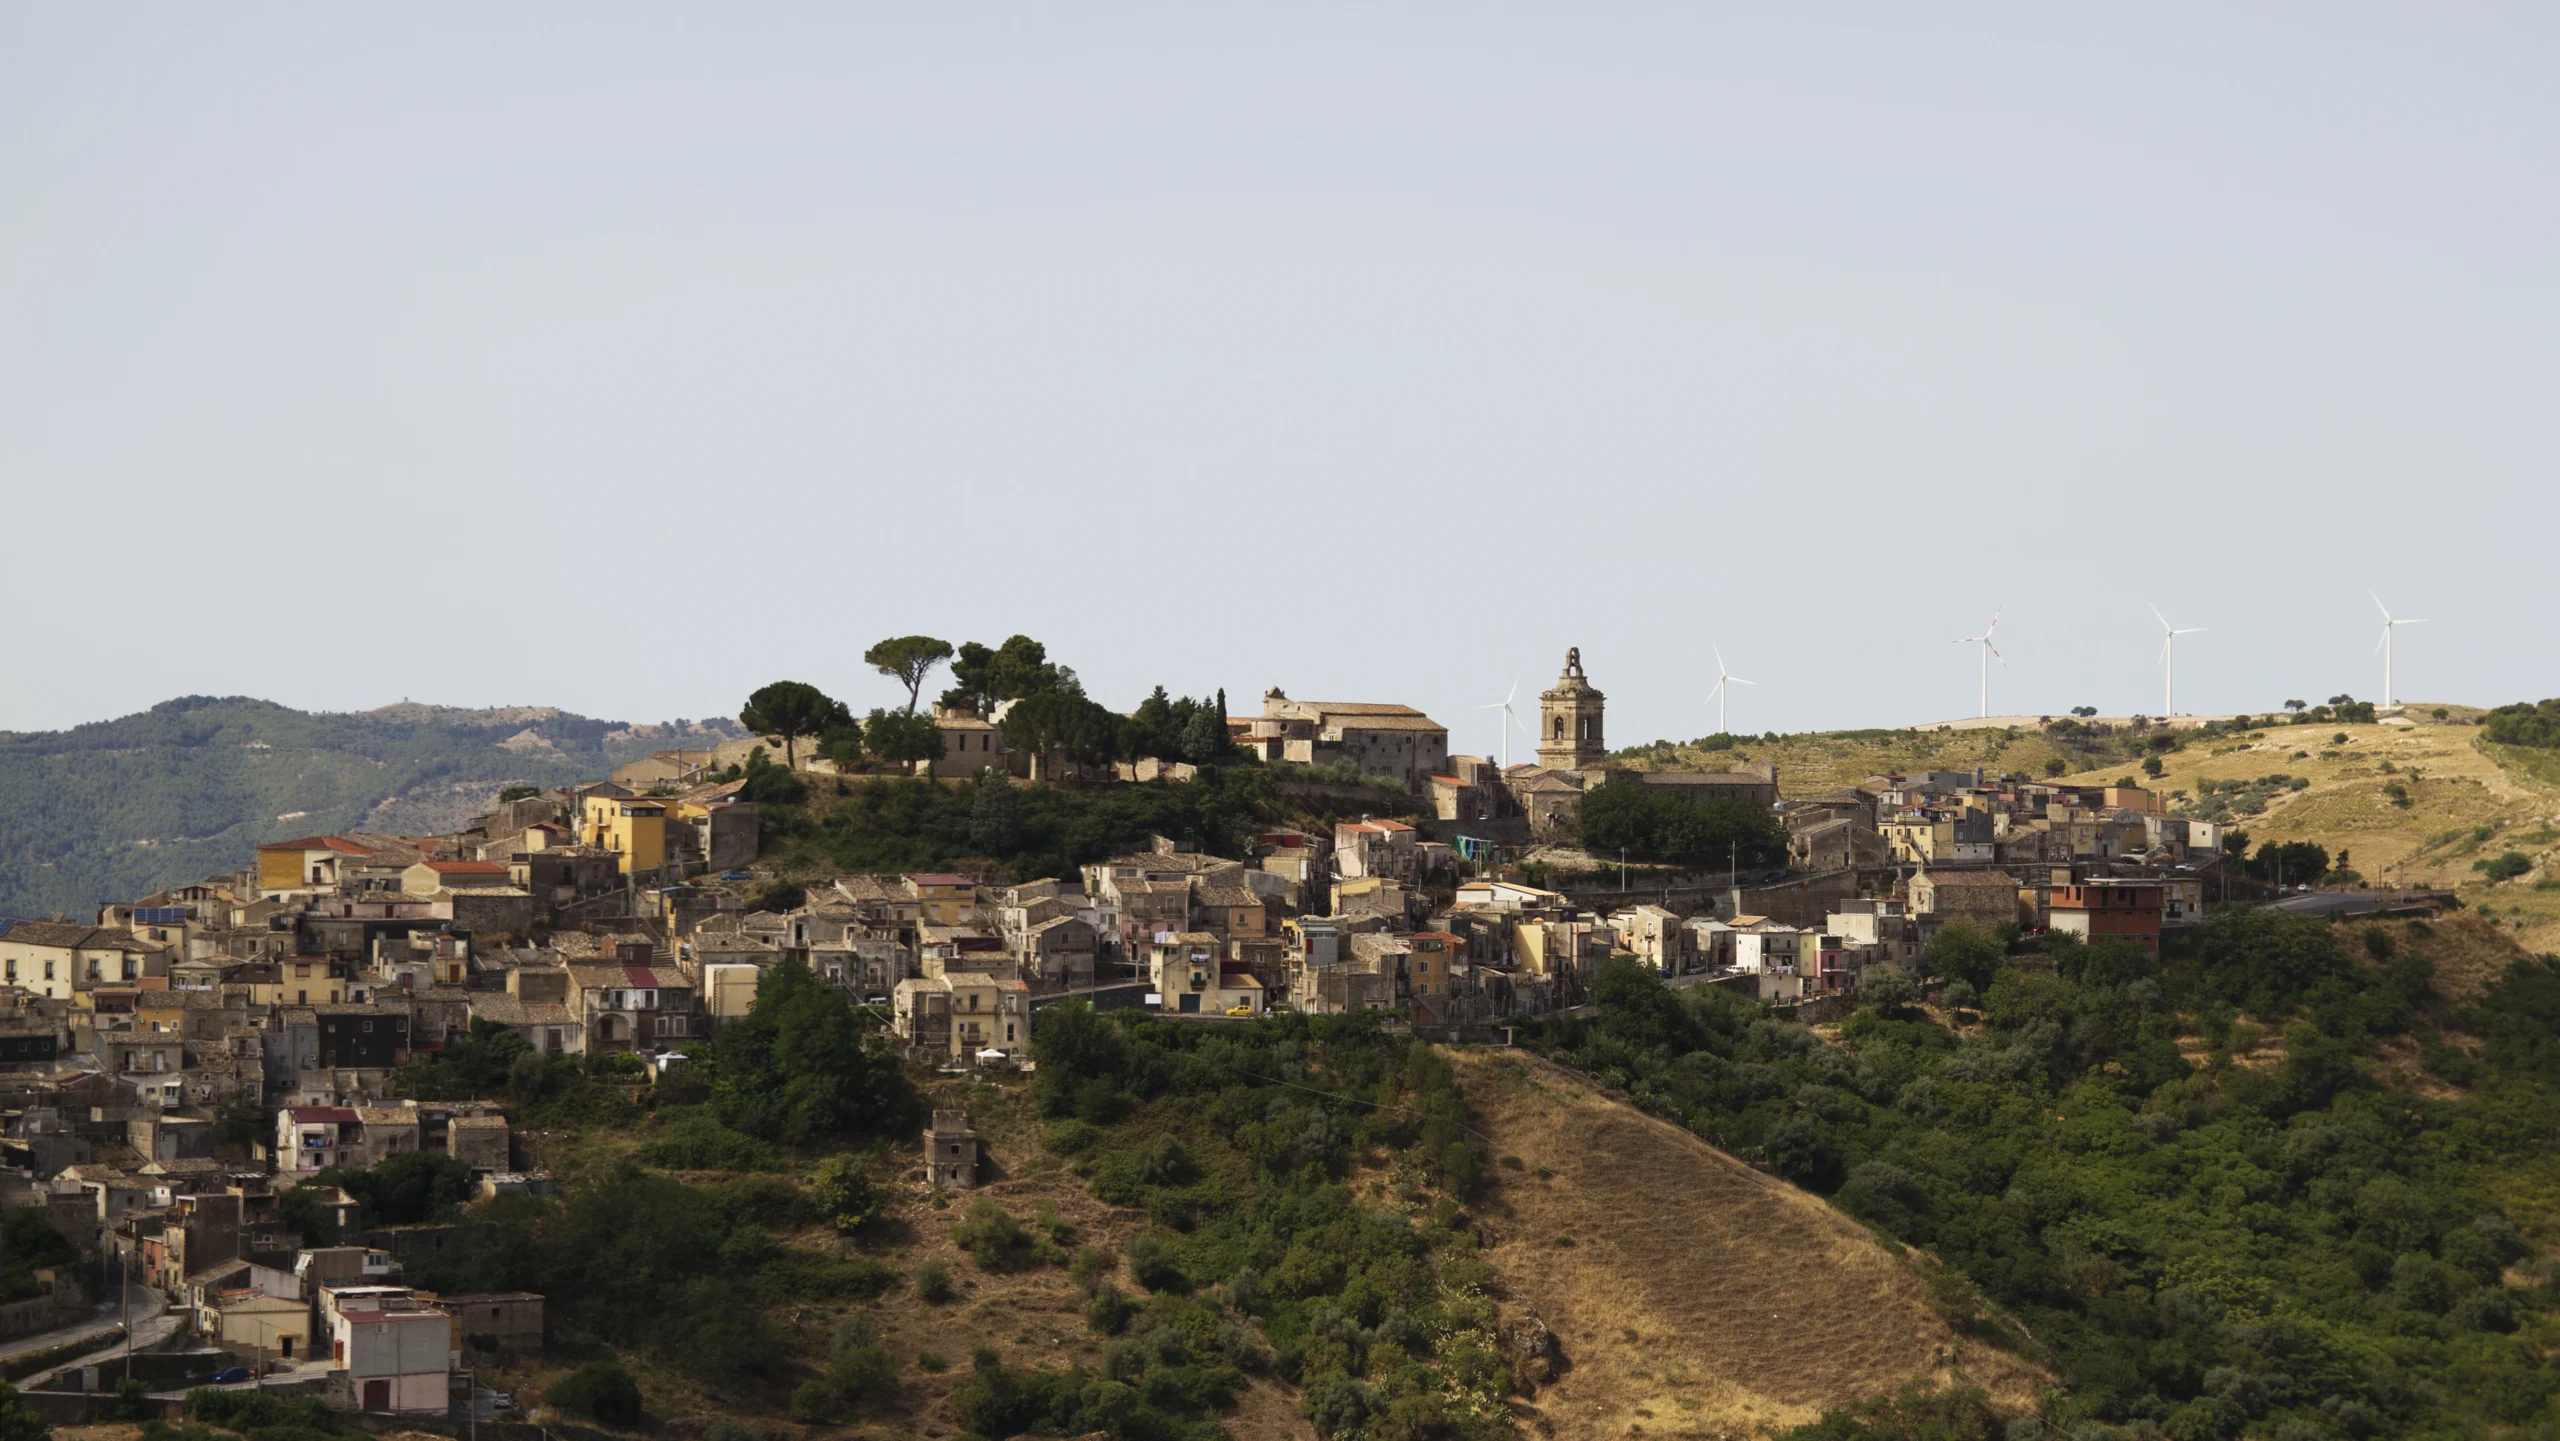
230 1375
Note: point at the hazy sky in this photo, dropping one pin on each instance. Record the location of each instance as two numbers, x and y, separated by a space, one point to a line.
624 358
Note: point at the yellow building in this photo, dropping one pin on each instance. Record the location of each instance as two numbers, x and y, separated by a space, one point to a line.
262 1325
56 958
634 828
309 864
289 982
944 900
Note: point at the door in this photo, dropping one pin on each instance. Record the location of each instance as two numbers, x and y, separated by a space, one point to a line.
377 1395
285 1344
1187 1002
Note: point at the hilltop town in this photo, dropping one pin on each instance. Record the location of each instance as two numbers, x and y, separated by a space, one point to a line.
215 1091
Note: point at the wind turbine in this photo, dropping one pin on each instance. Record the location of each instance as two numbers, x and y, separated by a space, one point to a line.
2169 662
2383 647
1508 720
1720 694
1988 651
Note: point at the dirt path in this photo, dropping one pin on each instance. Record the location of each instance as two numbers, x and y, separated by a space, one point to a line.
1696 1296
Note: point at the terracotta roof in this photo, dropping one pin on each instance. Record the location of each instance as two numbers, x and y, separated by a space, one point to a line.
465 868
320 843
1353 708
940 879
1375 721
643 978
507 1010
69 935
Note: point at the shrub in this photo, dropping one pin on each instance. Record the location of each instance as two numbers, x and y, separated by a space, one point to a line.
931 1361
1151 1264
1109 1310
843 1192
600 1389
813 1403
1091 1268
132 1401
2524 724
2506 866
998 1242
933 1282
863 1373
696 1141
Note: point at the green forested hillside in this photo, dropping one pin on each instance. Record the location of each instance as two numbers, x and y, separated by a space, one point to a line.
189 787
2291 1183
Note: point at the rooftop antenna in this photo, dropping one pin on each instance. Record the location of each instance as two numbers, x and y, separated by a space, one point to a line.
2383 647
1720 694
1988 651
1508 719
2169 662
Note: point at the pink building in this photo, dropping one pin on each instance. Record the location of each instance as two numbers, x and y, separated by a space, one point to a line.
396 1352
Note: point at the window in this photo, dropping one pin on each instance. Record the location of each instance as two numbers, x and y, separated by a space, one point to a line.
48 970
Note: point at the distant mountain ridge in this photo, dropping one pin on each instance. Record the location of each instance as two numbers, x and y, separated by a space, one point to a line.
189 788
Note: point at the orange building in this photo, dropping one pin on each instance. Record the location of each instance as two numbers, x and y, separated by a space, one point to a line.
2122 910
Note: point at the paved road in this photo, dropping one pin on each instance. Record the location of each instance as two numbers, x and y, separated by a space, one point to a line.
145 1301
153 1322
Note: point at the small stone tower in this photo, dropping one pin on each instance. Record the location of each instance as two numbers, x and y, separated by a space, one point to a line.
1569 736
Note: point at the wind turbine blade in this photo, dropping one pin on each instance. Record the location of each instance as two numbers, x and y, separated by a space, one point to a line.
2378 605
1515 691
2165 642
2164 620
2408 622
1719 687
2382 640
1719 650
1494 705
1737 680
2192 630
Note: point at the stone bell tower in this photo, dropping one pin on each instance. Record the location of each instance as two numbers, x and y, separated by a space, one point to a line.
1569 736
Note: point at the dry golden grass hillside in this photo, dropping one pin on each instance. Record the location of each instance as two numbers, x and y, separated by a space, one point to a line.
2458 800
1825 760
1693 1296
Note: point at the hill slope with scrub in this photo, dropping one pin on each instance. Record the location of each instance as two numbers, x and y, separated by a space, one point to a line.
2288 1181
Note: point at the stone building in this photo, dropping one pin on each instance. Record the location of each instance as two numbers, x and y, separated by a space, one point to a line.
1569 720
1378 739
951 1149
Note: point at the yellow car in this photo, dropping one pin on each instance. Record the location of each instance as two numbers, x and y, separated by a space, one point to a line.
1239 1010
